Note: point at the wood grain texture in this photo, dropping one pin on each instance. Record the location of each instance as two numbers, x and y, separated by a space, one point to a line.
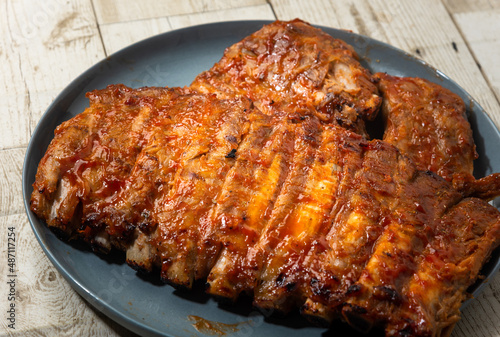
11 164
258 12
65 33
39 102
128 10
43 298
15 124
121 34
481 317
45 46
15 99
464 6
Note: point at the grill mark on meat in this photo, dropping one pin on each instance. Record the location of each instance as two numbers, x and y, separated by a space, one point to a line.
281 224
50 189
365 192
285 272
92 154
464 238
245 204
412 221
172 143
196 184
152 169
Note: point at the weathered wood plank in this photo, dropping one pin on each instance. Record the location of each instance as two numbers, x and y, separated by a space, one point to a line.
45 303
15 123
121 34
11 165
467 6
424 25
480 318
480 30
57 40
39 102
128 10
259 12
15 103
45 46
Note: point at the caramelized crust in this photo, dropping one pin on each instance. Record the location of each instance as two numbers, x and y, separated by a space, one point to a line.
245 205
293 69
462 242
92 155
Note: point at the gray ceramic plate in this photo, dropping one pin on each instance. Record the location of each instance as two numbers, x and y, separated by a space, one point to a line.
173 59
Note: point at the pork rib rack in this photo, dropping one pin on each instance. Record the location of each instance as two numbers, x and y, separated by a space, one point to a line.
260 179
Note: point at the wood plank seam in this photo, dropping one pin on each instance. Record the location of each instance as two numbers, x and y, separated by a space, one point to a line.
270 3
4 149
98 27
27 96
471 51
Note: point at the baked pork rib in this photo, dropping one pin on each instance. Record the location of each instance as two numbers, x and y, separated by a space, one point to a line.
294 69
427 123
260 179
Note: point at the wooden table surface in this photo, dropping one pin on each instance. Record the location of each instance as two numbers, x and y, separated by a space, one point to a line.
46 44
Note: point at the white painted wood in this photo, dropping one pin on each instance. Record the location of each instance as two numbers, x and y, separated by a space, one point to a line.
128 10
480 29
121 34
46 305
410 25
467 6
15 102
46 44
39 102
11 164
15 123
259 12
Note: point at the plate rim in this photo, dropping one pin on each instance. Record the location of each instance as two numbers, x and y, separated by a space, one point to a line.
91 298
